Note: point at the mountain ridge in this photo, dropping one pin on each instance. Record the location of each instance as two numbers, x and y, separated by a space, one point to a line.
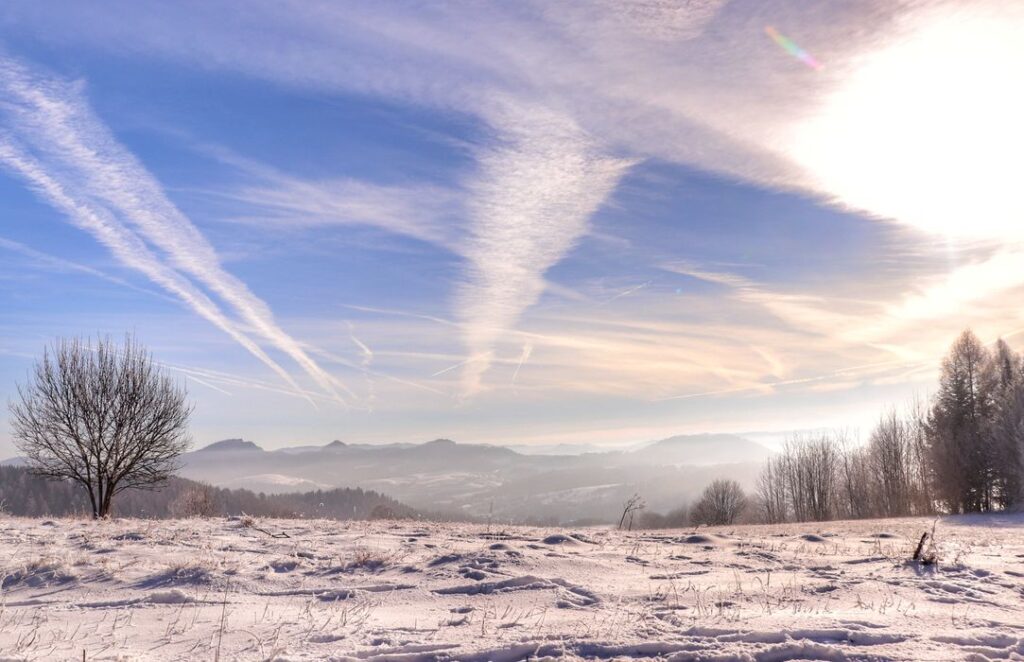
701 442
234 444
442 474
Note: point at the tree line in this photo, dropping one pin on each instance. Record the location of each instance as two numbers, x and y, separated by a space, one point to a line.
23 493
960 452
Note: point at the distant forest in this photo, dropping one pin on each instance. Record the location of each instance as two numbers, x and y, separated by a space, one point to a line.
24 494
962 452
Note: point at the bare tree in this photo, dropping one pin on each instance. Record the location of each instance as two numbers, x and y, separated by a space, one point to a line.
772 491
106 417
811 467
856 489
721 503
196 501
889 453
917 421
629 509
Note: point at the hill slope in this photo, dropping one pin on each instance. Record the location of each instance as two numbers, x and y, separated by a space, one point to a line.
482 480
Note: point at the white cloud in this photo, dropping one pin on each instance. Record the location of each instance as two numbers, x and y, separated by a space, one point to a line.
538 179
827 316
900 123
653 20
529 204
129 249
74 162
277 200
963 287
916 117
926 128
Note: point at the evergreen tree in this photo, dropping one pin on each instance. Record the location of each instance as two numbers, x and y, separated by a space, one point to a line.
959 452
1004 383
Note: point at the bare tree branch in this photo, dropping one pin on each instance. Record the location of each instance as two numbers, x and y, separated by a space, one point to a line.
105 417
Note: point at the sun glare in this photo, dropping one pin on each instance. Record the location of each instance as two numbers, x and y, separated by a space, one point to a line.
928 131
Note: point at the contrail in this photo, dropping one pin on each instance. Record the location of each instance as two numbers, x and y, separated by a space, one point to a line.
67 265
87 172
366 351
206 384
478 357
627 292
128 248
232 380
334 358
400 313
527 350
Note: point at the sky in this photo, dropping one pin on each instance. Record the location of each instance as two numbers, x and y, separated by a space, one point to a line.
527 223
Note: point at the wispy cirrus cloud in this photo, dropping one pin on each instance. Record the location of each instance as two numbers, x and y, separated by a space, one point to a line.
697 84
273 199
913 325
529 204
537 181
56 142
955 292
806 312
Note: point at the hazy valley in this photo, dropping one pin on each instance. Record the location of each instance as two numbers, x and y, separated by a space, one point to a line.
484 480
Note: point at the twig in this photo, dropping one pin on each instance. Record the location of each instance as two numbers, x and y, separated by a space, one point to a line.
280 534
920 546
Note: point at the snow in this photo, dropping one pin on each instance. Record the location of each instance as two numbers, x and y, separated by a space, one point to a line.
413 591
279 480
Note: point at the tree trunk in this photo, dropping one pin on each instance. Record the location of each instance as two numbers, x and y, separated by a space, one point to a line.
103 500
107 500
92 502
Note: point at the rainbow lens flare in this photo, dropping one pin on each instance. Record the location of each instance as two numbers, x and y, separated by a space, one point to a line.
790 47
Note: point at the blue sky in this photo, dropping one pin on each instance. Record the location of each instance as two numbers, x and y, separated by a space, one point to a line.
595 222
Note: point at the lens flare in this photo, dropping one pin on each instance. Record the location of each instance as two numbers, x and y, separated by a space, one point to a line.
790 47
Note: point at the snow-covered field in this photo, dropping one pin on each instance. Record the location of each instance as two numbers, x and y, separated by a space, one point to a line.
415 592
